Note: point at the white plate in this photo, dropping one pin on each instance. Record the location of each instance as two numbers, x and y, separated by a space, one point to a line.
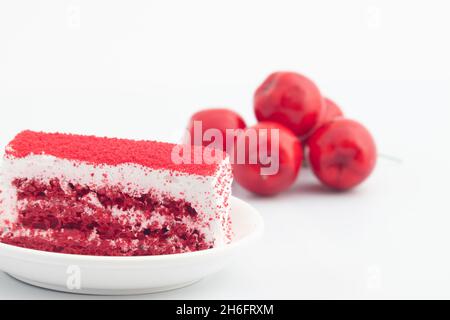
130 275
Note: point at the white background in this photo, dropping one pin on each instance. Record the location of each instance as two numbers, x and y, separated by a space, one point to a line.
138 69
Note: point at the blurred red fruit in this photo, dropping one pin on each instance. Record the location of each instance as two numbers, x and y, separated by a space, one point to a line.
290 99
218 118
288 155
331 112
342 153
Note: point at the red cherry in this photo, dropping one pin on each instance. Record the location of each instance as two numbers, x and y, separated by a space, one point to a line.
290 99
288 155
221 119
342 153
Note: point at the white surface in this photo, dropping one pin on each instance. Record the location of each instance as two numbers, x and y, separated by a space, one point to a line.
131 275
140 70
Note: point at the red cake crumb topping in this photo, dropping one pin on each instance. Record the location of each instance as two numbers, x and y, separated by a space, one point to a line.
98 150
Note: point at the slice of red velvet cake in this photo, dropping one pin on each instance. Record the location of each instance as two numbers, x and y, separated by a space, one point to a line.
103 196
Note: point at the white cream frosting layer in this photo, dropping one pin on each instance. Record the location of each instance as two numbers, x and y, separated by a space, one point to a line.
208 195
